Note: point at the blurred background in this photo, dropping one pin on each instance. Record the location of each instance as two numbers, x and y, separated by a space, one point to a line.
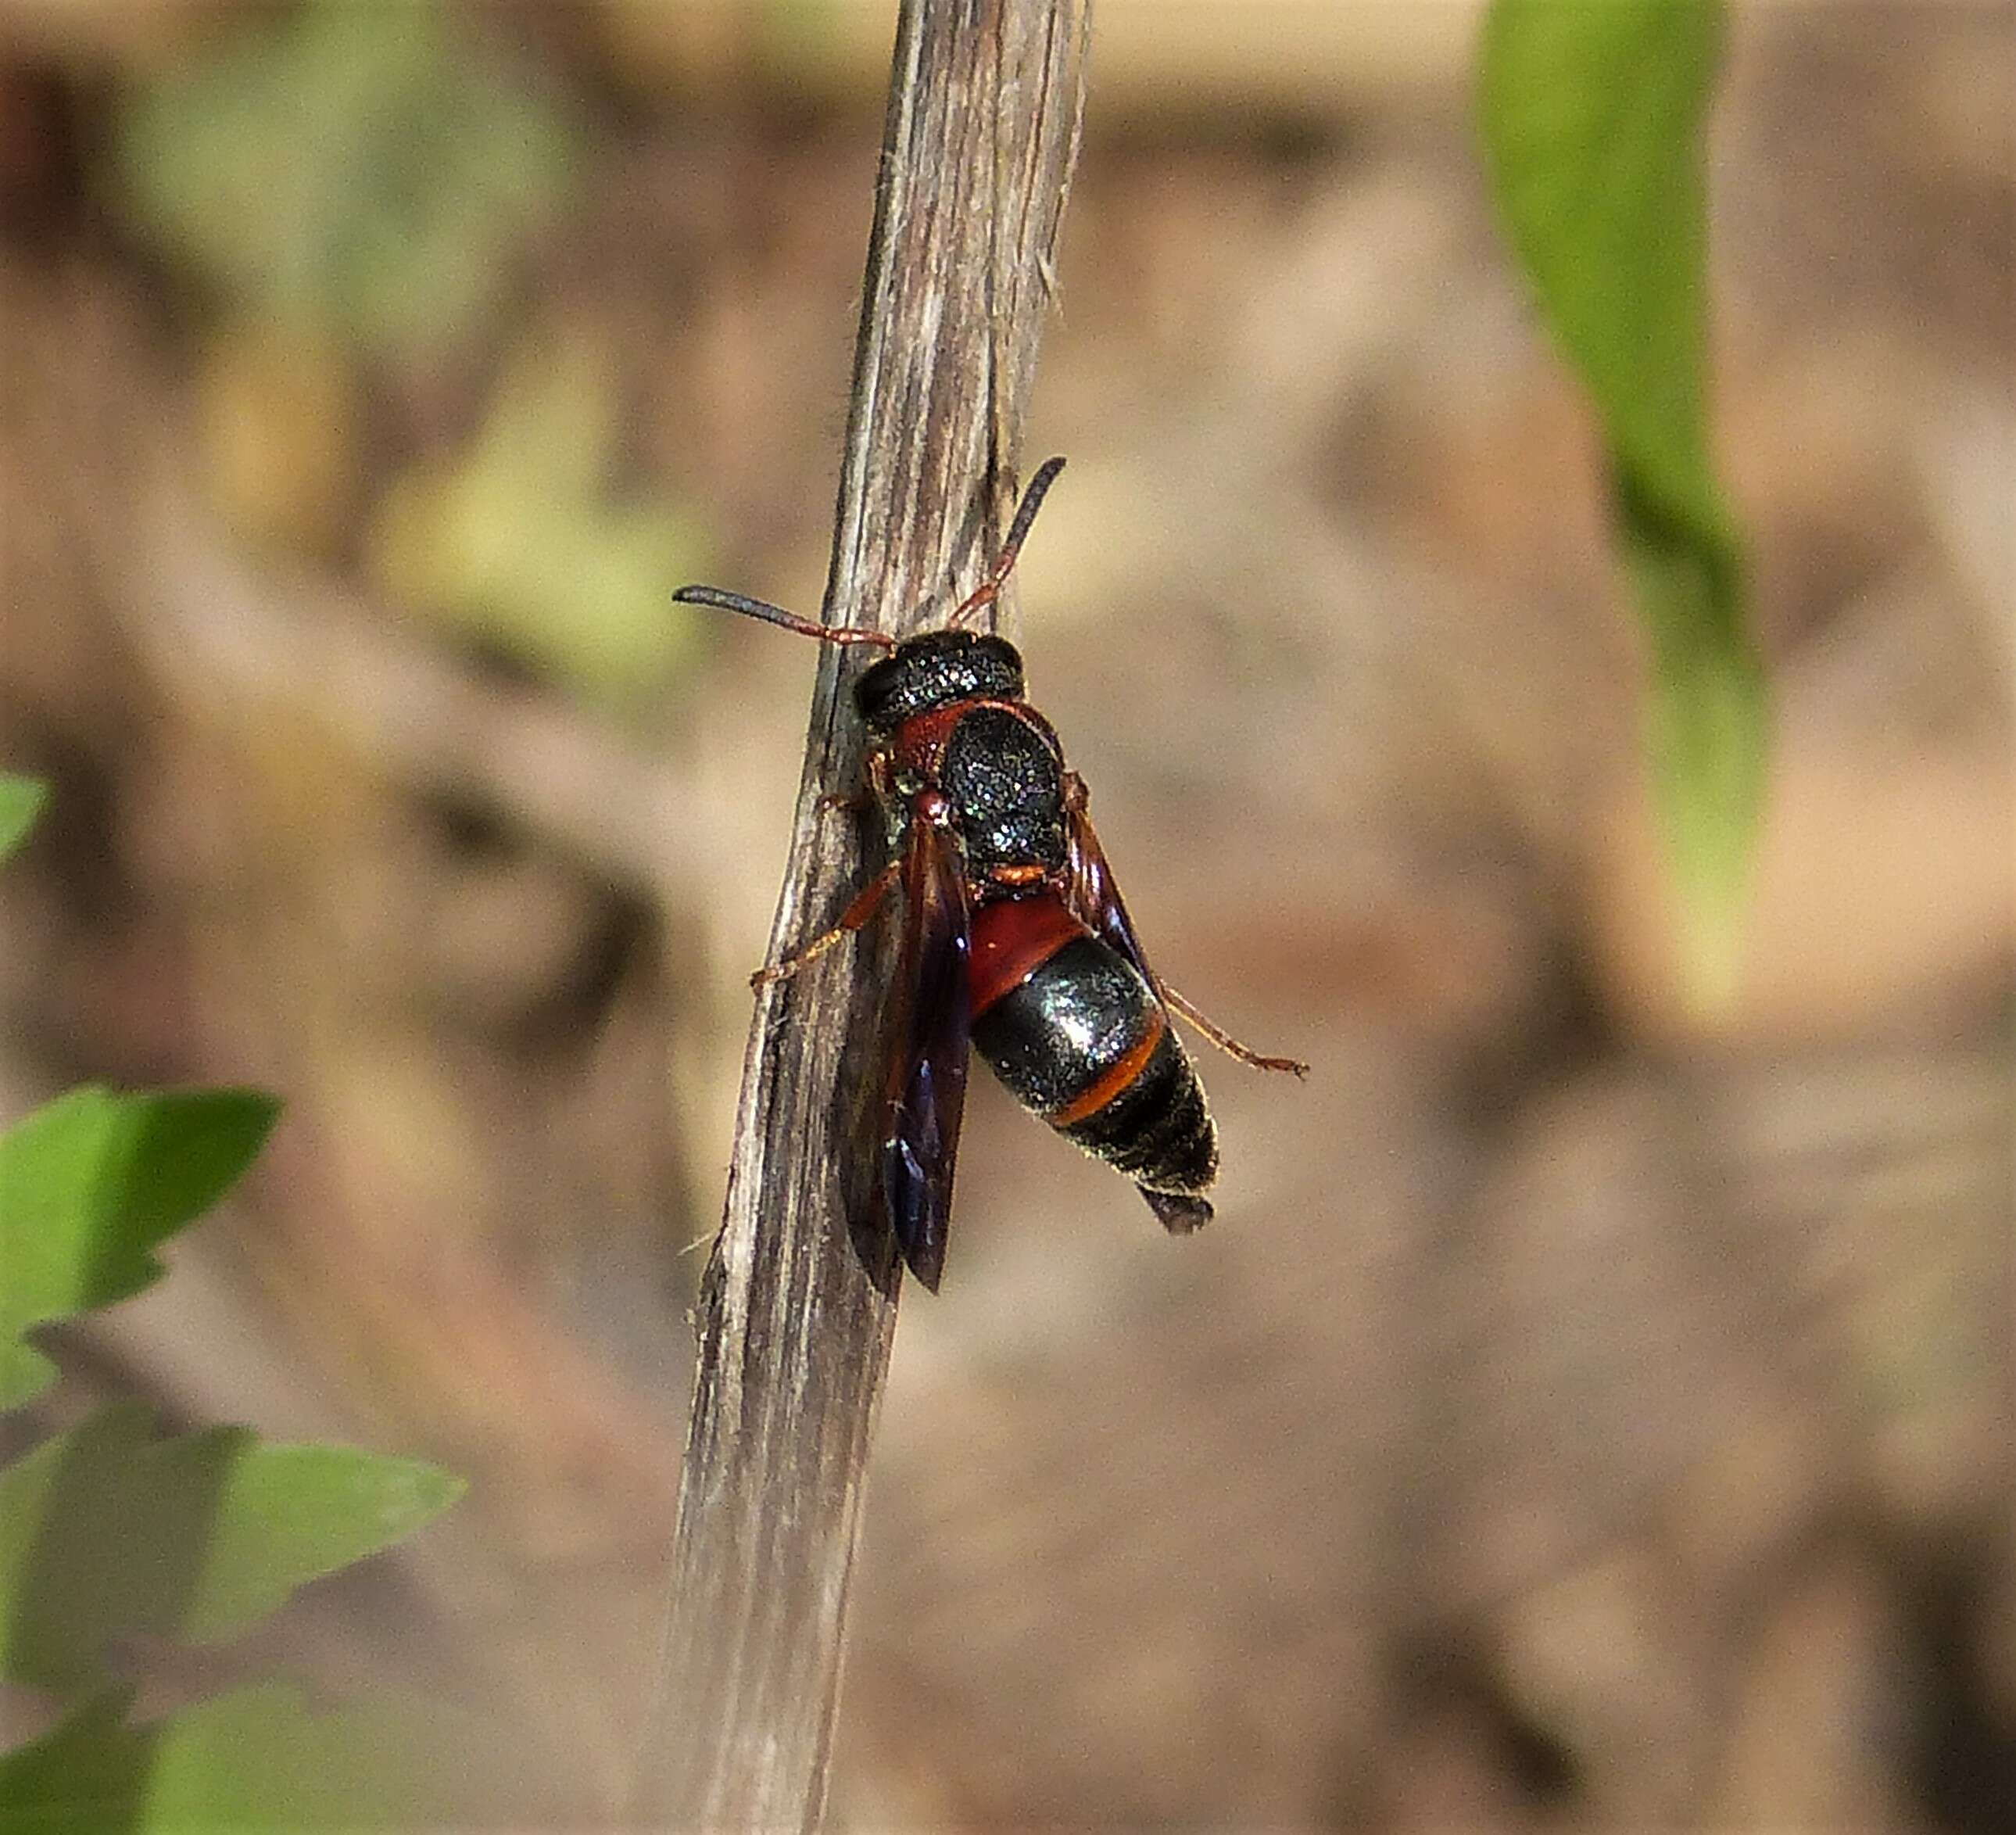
1583 1415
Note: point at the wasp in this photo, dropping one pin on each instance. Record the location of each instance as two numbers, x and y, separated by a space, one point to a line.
1015 940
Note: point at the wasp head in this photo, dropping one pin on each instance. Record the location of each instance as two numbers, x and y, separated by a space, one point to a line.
934 669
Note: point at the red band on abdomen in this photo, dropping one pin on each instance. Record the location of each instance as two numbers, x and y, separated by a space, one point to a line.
1012 938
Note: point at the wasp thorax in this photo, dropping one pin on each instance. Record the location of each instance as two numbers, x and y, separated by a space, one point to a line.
934 669
1007 783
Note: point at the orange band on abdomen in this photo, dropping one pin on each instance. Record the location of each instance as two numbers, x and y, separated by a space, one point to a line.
1115 1080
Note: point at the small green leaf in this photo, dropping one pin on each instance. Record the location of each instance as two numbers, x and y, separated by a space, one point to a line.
90 1184
1593 117
21 800
106 1531
1708 720
253 1759
293 1513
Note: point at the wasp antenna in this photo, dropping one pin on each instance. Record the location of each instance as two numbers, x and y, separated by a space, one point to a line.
776 614
989 589
1025 514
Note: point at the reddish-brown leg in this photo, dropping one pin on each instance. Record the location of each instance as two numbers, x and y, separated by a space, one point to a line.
867 902
1078 798
1223 1039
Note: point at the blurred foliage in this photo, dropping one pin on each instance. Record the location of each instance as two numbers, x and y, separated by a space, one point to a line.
281 427
106 1533
20 802
354 180
349 167
1594 121
515 542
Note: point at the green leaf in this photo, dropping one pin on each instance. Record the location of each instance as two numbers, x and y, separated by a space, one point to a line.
90 1184
254 1759
293 1513
1593 117
21 800
106 1531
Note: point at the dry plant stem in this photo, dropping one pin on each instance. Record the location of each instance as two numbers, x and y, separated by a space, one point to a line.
799 1304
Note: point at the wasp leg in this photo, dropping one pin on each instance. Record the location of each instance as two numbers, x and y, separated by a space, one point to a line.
1223 1039
867 902
1095 896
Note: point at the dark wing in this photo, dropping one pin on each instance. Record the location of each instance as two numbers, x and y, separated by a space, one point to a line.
1093 895
928 1055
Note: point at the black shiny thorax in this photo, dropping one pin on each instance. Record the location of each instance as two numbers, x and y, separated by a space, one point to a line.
1005 780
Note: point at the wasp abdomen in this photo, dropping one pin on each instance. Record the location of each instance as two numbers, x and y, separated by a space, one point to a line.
1078 1035
1156 1128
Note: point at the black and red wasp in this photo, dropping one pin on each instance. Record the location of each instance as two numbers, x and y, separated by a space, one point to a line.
1016 939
